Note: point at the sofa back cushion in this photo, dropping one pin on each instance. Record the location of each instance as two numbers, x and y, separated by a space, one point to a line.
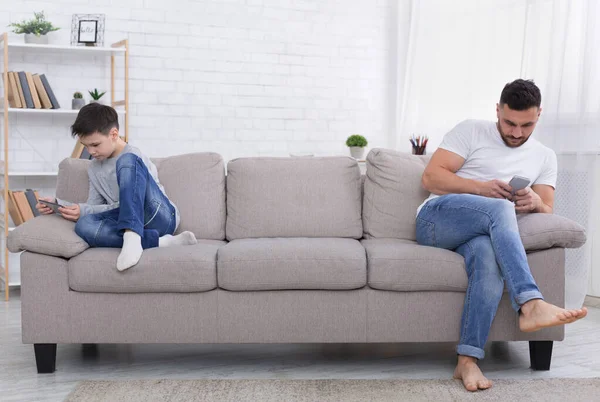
293 197
194 182
392 194
72 183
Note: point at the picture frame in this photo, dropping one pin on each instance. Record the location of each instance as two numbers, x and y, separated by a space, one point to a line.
87 30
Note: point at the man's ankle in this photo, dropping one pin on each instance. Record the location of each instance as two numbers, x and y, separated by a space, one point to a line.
462 359
529 305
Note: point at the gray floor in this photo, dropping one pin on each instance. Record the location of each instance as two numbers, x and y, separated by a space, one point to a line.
577 356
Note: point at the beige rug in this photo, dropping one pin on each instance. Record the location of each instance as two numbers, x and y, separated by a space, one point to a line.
562 389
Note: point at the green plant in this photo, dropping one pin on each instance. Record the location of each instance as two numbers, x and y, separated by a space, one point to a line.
78 95
96 95
37 26
356 140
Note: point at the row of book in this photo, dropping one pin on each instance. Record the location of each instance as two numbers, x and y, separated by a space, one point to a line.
30 91
21 205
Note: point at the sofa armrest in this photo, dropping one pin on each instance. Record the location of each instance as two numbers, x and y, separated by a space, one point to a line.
47 234
544 231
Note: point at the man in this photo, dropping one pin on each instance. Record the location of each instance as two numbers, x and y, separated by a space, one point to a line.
471 210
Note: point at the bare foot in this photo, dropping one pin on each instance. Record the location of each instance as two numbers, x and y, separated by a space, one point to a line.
537 314
470 374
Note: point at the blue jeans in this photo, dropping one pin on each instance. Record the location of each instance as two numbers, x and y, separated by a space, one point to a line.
484 231
143 208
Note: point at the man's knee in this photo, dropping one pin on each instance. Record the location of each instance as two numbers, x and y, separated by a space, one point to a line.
502 210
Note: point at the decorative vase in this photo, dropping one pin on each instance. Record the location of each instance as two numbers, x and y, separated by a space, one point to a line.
357 152
38 40
77 103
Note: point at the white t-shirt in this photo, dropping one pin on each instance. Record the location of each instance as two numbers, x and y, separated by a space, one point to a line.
487 157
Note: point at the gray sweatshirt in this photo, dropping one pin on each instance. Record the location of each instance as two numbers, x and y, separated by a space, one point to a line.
104 189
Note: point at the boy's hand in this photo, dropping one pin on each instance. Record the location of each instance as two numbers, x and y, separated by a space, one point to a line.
44 209
70 213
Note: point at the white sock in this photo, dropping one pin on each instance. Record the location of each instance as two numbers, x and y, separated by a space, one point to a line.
131 252
182 239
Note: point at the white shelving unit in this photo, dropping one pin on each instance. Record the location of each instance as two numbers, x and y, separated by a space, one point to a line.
115 49
33 174
118 49
43 111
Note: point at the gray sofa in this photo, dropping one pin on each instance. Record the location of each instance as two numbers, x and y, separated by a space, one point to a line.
290 250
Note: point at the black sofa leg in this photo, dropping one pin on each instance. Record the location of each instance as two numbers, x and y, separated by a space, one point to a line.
45 357
540 354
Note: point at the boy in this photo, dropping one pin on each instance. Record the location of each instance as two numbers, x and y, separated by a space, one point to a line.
127 207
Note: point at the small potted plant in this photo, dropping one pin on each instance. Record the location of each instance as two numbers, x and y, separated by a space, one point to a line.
35 29
357 144
78 102
96 95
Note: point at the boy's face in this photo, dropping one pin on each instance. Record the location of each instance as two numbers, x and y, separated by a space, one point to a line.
101 146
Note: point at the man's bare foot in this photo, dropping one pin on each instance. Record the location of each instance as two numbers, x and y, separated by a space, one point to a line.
470 374
537 314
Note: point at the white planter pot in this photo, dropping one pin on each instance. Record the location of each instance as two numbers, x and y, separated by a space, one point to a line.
357 152
77 104
38 40
98 101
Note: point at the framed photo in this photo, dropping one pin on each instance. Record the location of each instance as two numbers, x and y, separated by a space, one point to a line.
87 30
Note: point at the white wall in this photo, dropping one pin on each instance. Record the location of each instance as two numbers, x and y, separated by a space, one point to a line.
237 77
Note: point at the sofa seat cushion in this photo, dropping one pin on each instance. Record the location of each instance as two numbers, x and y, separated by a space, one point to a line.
179 269
292 263
405 266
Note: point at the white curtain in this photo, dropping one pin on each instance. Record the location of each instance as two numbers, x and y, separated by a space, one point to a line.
455 57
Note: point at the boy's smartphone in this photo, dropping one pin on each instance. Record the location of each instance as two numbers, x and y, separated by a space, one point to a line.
518 183
54 206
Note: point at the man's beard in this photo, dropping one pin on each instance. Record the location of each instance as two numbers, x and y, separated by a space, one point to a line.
511 144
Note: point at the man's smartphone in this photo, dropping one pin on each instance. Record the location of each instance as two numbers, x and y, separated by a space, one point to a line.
53 206
518 183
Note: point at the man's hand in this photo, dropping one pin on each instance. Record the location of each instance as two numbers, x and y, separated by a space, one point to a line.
45 209
70 213
494 189
527 200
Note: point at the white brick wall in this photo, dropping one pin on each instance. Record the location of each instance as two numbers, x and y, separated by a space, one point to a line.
237 77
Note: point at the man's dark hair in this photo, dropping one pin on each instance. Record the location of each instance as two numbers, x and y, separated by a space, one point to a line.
521 95
93 118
